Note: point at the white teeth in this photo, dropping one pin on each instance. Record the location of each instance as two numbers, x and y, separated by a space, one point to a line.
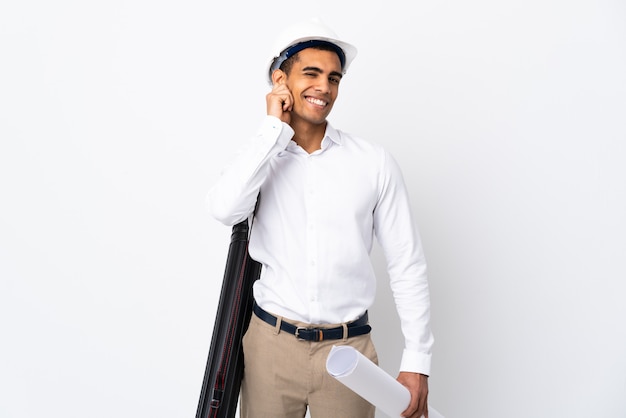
316 101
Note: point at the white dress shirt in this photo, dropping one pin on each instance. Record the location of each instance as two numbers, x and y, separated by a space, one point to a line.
314 228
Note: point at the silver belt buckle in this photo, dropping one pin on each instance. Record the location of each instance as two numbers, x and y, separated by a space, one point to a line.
297 334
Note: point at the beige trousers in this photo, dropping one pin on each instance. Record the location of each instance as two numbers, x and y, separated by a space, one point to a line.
283 375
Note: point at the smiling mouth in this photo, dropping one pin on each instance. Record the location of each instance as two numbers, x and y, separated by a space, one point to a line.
317 102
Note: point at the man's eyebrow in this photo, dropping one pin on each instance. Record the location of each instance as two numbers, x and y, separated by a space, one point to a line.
319 70
316 69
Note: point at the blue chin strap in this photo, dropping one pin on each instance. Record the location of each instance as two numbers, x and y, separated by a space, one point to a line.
294 49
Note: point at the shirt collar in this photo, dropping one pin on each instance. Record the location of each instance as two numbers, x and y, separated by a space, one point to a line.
331 134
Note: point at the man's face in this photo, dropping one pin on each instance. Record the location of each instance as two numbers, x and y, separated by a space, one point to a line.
314 83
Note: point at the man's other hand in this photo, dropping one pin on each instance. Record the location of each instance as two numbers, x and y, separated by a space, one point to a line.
417 384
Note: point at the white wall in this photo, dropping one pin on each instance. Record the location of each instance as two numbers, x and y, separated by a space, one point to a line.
507 118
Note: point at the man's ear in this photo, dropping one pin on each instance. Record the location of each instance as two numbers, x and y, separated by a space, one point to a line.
278 77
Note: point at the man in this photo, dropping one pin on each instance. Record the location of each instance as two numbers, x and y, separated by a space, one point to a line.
323 195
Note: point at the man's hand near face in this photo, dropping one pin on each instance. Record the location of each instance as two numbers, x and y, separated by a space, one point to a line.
280 102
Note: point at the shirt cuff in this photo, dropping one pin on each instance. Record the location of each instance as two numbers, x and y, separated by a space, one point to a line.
276 131
415 362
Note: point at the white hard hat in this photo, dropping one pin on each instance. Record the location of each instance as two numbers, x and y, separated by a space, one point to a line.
304 34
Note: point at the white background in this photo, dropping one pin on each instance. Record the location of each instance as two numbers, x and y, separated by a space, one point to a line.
508 119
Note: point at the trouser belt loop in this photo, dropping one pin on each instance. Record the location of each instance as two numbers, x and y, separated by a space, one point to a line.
279 321
345 331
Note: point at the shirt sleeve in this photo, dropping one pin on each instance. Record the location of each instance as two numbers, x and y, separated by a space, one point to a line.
406 266
233 197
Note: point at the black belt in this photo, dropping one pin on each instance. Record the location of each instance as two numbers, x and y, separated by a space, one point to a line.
357 327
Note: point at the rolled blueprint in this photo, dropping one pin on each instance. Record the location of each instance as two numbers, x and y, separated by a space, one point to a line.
369 381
